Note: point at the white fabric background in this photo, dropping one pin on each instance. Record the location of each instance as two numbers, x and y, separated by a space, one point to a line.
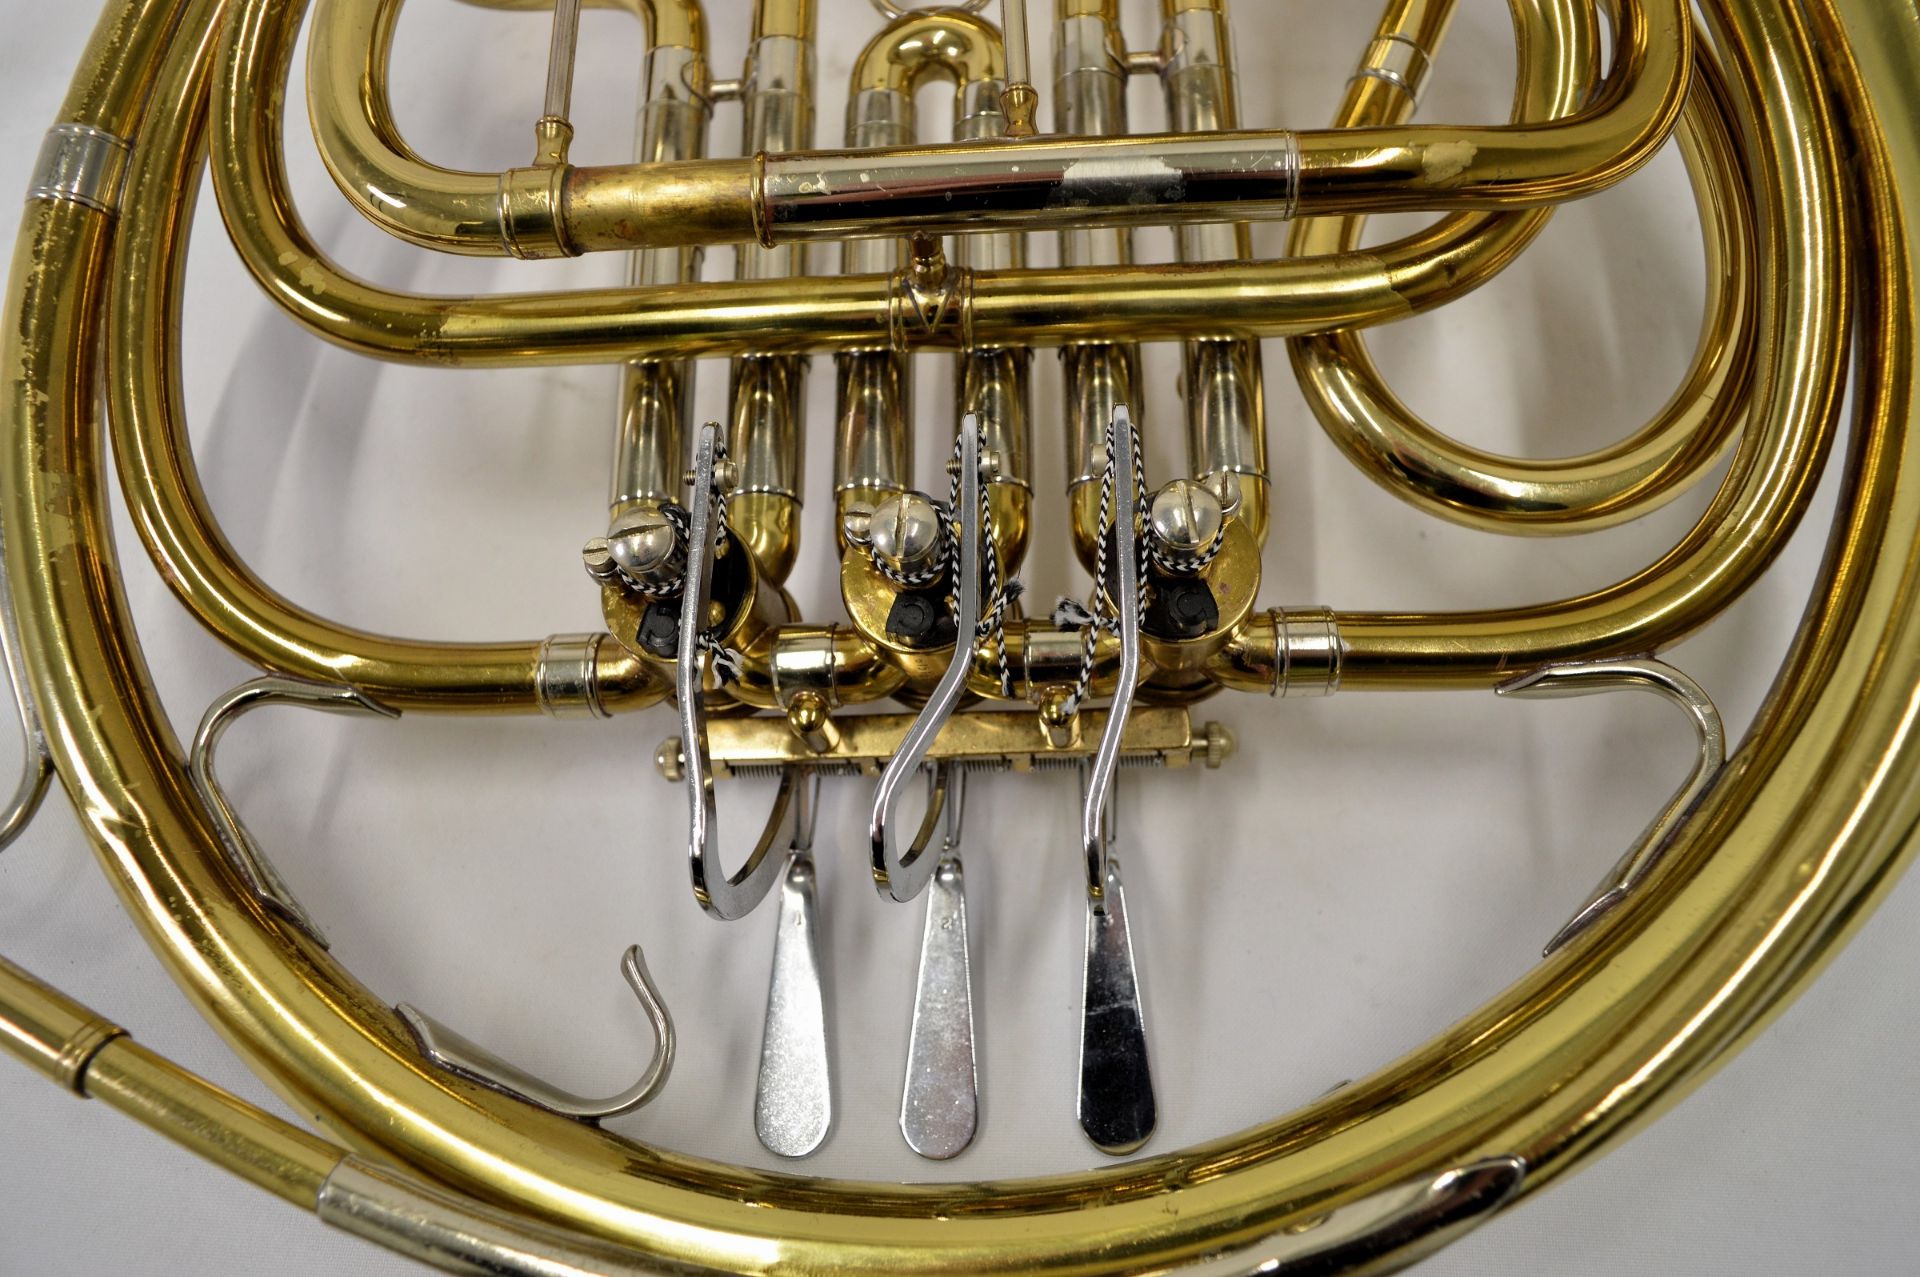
1368 870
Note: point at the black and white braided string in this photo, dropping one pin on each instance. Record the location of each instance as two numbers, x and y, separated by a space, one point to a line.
995 598
728 664
1071 614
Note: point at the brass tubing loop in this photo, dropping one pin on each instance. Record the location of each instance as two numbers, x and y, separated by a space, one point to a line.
1802 833
1384 438
1267 299
1176 178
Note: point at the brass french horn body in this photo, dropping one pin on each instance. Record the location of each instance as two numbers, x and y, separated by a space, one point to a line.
1006 255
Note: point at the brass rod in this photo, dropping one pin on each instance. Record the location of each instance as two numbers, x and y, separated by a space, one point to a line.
560 58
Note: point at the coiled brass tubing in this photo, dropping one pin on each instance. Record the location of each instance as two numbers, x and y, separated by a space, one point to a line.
1389 443
1799 838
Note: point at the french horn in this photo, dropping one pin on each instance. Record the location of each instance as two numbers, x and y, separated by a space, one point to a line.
1063 273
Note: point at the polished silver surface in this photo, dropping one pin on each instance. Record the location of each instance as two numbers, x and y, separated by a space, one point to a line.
940 1103
1117 1109
892 10
768 434
1014 34
242 852
1398 61
1310 651
1222 378
769 392
793 1103
644 544
1095 820
1588 677
905 532
457 1054
560 58
902 876
1099 379
1037 185
456 1233
1185 517
724 896
567 679
1424 1213
36 764
656 401
82 164
872 446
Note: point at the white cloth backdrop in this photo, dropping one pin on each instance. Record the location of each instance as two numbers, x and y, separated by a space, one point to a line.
1367 871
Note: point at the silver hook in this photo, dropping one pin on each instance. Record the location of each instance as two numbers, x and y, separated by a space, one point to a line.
36 764
940 1103
727 897
456 1054
1095 823
1585 678
902 877
242 851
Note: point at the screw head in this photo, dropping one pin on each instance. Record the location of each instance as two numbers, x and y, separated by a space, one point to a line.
905 530
670 760
640 542
598 558
1225 486
1186 516
856 524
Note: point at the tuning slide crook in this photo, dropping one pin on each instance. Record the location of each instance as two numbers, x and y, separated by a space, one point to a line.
901 877
1646 674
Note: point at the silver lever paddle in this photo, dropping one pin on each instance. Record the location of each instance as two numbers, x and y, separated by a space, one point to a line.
940 1104
1117 1108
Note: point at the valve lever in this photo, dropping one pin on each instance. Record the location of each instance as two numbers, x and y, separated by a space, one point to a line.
1117 1107
940 1104
793 1103
725 896
901 876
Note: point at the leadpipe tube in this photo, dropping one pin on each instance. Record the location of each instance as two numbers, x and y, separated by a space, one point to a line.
768 397
1090 100
656 396
1223 379
1282 298
1044 184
